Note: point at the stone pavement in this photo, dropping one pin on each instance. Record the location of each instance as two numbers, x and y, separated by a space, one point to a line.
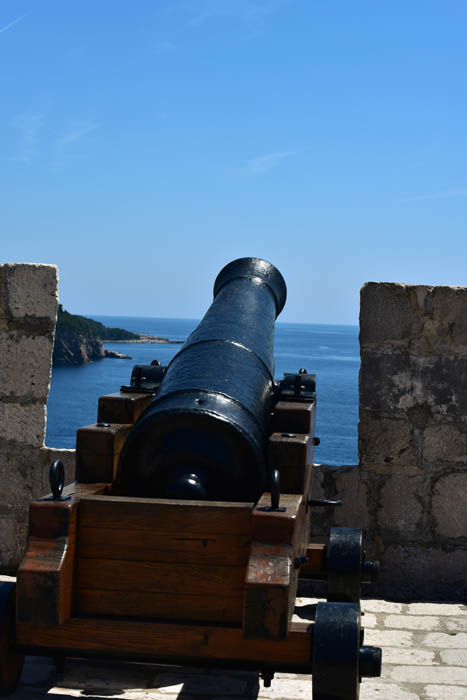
424 658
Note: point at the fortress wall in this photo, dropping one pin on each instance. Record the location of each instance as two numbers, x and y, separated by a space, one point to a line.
409 492
28 310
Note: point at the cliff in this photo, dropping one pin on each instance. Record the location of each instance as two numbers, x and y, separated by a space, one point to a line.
79 339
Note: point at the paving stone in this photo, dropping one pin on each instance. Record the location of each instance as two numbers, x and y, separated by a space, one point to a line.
454 657
389 638
381 606
369 620
456 624
405 657
412 622
446 641
378 690
452 609
444 692
430 674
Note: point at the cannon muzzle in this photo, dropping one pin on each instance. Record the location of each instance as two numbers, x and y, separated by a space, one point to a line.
205 433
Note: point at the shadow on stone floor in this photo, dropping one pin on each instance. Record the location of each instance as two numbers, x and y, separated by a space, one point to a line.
100 679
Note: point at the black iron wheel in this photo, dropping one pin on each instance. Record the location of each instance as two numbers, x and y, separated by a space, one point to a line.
344 561
339 659
336 643
11 661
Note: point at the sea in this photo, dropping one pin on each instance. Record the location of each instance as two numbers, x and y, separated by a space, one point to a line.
329 351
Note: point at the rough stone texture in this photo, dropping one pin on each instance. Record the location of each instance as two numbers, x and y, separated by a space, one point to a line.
31 290
386 440
450 505
387 313
413 436
400 510
28 308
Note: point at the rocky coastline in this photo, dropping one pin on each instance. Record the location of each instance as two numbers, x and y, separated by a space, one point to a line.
79 340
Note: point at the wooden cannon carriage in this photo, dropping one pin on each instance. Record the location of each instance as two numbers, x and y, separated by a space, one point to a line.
114 570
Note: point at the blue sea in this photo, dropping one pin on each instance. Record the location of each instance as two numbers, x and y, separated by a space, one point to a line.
329 351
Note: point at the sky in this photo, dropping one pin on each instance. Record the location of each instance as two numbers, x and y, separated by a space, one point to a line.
145 144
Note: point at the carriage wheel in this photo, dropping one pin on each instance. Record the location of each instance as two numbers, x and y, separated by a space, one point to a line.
344 564
339 660
11 662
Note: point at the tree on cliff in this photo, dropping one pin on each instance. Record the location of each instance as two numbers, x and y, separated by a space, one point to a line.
79 339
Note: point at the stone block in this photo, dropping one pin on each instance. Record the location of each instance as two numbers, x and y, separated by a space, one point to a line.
426 573
25 366
397 383
353 492
444 692
454 610
445 443
23 423
8 541
450 505
429 674
400 511
412 622
387 313
31 290
385 441
13 536
49 455
20 477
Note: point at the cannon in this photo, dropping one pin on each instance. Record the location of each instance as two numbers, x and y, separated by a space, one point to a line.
187 530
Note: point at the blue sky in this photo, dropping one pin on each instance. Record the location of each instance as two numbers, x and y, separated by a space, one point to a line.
145 144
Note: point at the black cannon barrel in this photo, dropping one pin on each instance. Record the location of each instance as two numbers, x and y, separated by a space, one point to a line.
205 433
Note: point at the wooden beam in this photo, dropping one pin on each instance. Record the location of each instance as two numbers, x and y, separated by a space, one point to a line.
122 407
165 515
45 575
293 417
271 577
98 448
170 642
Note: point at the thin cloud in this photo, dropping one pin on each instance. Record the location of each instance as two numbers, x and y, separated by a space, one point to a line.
75 132
246 10
445 194
15 21
261 164
28 125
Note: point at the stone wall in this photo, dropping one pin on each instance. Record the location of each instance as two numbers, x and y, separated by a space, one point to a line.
409 492
28 308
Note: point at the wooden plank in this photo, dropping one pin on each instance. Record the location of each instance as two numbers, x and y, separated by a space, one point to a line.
164 515
157 577
163 606
122 407
97 451
45 575
271 578
176 643
293 417
138 545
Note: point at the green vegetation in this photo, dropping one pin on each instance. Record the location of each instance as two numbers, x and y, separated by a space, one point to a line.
72 323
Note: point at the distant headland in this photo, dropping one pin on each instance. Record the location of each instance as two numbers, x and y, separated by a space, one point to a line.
79 339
